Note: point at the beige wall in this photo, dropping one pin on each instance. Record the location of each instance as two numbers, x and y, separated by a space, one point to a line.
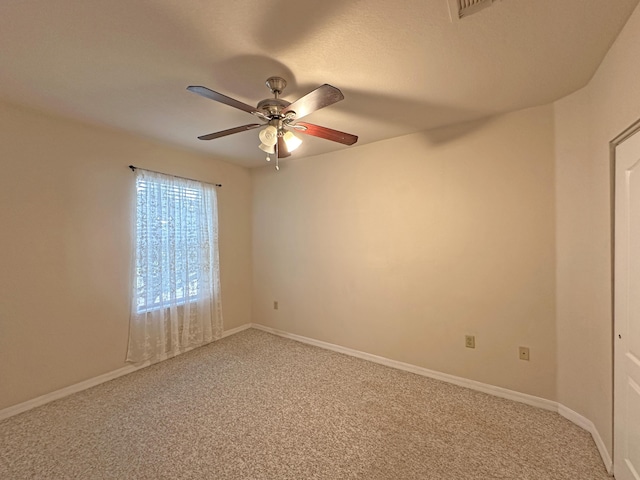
401 247
65 246
585 123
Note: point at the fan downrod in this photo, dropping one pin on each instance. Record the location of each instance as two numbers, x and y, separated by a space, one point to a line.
271 107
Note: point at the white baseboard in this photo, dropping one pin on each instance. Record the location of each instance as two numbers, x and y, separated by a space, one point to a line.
91 382
588 425
63 392
532 400
425 372
233 331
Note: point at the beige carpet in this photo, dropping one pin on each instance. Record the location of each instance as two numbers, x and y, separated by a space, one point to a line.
257 406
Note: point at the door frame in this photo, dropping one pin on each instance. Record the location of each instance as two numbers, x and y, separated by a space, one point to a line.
613 144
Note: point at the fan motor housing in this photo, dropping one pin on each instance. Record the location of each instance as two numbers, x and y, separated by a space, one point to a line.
272 106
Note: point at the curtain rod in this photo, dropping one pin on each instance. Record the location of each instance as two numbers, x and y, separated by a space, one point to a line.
133 169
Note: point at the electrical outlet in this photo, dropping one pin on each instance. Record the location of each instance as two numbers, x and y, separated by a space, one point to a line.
523 353
275 304
470 341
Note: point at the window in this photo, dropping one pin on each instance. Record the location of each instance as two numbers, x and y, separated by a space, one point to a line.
176 278
170 240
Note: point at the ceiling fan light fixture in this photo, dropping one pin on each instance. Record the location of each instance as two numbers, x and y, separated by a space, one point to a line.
267 148
292 141
269 136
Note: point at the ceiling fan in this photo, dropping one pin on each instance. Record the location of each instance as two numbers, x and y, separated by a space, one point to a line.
281 117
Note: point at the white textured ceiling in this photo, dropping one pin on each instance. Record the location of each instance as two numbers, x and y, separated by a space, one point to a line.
403 66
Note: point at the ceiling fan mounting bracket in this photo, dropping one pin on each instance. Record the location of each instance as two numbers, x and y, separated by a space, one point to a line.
276 85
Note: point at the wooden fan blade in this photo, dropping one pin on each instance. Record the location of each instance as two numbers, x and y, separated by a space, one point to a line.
326 133
283 152
218 97
321 97
230 131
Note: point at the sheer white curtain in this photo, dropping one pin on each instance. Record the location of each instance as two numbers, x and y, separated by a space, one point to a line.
176 275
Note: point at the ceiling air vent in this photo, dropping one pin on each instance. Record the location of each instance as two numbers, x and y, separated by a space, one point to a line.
463 8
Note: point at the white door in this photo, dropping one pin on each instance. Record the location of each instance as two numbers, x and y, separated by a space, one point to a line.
627 311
